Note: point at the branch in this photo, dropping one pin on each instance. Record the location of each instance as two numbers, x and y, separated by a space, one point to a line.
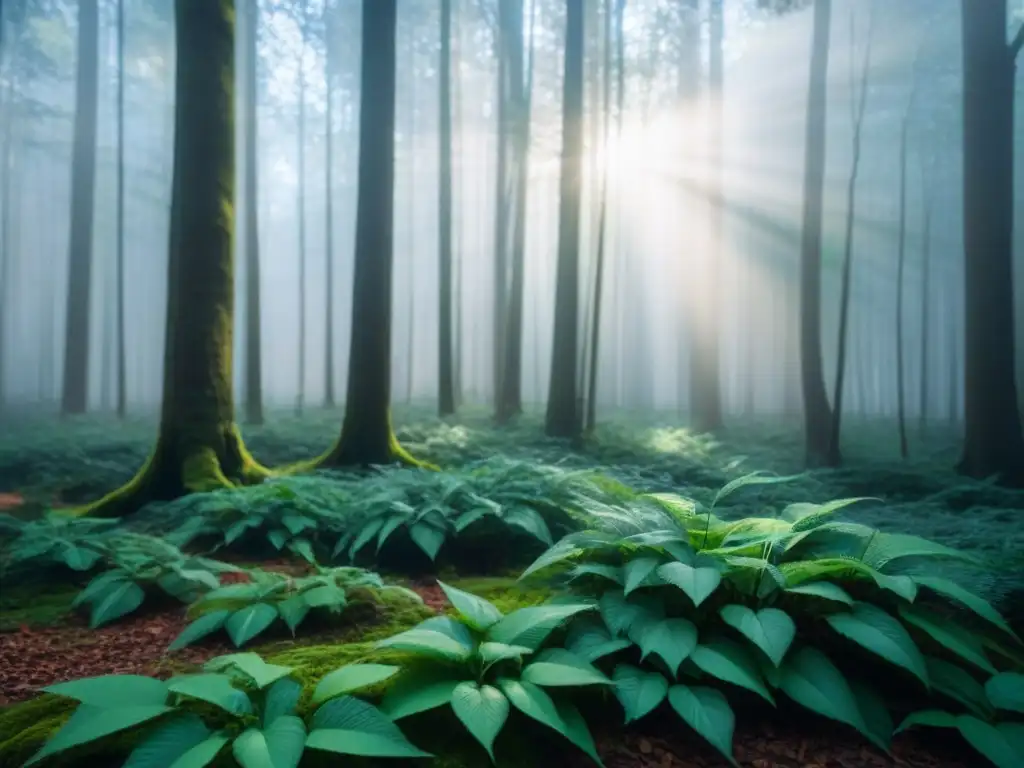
1018 43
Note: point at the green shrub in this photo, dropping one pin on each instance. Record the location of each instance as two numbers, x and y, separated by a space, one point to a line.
53 539
685 597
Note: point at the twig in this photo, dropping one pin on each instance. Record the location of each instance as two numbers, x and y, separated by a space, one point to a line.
1018 43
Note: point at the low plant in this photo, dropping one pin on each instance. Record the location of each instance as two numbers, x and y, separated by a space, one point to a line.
54 539
483 663
688 601
142 565
251 706
246 610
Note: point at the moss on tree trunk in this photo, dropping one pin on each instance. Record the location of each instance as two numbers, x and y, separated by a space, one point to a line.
199 447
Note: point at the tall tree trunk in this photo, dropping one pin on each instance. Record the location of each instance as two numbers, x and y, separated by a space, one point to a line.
817 413
901 259
366 434
834 452
926 290
446 382
590 420
122 350
75 394
6 241
198 447
501 206
705 384
563 418
993 444
300 399
253 319
329 32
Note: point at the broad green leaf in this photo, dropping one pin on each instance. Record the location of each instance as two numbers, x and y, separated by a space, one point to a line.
610 572
529 520
391 524
366 533
282 698
1014 735
349 678
415 692
531 626
732 663
708 713
1006 691
929 718
293 611
754 478
769 629
278 537
213 688
245 623
91 723
999 745
954 682
324 596
640 692
621 613
949 635
428 538
201 754
535 703
478 613
444 641
576 730
882 634
671 639
697 583
205 625
590 639
280 745
807 516
878 725
494 652
100 585
559 667
296 524
348 726
636 572
811 680
483 710
251 666
825 590
169 742
559 553
466 519
113 690
121 599
955 592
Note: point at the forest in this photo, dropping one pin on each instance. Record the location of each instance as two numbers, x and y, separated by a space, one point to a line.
630 383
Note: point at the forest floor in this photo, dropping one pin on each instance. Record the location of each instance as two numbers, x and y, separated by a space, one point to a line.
48 464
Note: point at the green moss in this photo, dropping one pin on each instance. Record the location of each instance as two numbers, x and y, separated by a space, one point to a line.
507 594
24 727
36 605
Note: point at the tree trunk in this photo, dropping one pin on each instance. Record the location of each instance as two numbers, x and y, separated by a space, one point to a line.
122 351
817 413
901 392
300 399
501 205
366 434
75 395
198 447
6 258
926 291
253 320
329 32
563 419
993 444
446 383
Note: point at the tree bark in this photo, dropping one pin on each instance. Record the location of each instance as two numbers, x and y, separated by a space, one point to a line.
926 291
253 319
198 446
300 399
817 413
563 418
122 351
75 394
901 259
329 400
993 444
446 383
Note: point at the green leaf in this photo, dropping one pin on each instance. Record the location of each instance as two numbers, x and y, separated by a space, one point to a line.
278 746
213 688
949 635
494 652
999 744
610 572
952 681
206 624
414 693
882 634
732 663
244 624
99 586
576 730
535 703
930 718
826 590
428 538
391 524
562 551
324 596
811 680
293 611
466 519
807 516
348 726
282 698
954 591
278 537
697 583
754 478
531 626
296 524
878 725
478 613
708 713
119 690
367 532
91 723
640 692
636 572
169 742
446 642
1006 691
769 629
351 678
530 521
251 665
559 667
590 639
671 639
483 710
121 599
621 613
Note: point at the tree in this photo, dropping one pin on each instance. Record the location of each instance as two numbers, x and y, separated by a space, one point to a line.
446 363
75 394
993 444
250 205
563 417
300 399
329 206
122 352
817 413
198 446
366 434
